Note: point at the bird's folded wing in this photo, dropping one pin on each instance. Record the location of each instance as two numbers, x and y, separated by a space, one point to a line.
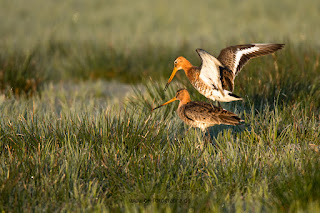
201 112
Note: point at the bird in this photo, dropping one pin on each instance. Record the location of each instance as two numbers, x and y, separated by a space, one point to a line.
201 114
214 78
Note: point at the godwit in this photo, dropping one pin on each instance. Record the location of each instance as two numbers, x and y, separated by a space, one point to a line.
214 78
201 114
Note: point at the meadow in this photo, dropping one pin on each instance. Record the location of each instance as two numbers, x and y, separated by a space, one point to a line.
78 80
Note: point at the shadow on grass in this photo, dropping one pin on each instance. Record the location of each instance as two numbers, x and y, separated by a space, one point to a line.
223 129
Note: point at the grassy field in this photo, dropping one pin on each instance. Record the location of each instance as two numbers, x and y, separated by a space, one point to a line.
78 80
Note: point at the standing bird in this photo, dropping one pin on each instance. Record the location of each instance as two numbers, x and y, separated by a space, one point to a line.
214 78
201 114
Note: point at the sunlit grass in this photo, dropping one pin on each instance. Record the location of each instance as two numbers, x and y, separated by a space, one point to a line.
75 136
95 145
76 152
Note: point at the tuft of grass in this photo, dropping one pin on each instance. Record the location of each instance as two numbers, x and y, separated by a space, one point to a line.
21 74
92 61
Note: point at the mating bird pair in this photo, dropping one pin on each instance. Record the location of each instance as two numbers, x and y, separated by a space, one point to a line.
214 79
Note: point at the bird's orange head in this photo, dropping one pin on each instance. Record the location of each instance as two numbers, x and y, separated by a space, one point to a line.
181 63
182 95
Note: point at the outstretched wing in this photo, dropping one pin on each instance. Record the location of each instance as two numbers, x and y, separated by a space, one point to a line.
209 70
235 57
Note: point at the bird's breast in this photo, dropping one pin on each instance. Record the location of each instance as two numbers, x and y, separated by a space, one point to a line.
203 88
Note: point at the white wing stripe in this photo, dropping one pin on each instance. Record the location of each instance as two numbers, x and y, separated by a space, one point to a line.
240 53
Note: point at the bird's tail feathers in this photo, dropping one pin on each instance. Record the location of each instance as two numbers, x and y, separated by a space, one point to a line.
231 120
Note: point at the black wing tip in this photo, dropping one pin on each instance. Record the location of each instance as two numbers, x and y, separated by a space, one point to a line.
281 46
234 95
274 45
233 120
239 120
278 46
245 46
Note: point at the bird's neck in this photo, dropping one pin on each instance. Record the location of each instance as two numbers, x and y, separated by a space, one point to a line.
192 73
187 67
185 100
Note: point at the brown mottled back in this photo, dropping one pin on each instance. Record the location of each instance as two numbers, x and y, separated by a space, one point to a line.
196 112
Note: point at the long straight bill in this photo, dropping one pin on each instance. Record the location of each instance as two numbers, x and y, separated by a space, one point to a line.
171 77
168 102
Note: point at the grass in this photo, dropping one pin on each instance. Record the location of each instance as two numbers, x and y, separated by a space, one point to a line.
21 74
129 26
74 136
116 40
72 153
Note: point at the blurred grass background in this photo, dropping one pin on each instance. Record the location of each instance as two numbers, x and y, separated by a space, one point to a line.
134 25
78 78
82 40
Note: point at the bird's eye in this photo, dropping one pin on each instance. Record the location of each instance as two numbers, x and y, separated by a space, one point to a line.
175 62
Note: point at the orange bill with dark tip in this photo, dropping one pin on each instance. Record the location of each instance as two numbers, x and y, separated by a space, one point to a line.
171 77
168 102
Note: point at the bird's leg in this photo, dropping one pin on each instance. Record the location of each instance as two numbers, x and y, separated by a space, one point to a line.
219 105
211 103
208 137
213 106
185 134
208 133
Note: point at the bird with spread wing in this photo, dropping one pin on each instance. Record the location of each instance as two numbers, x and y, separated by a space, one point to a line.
214 78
